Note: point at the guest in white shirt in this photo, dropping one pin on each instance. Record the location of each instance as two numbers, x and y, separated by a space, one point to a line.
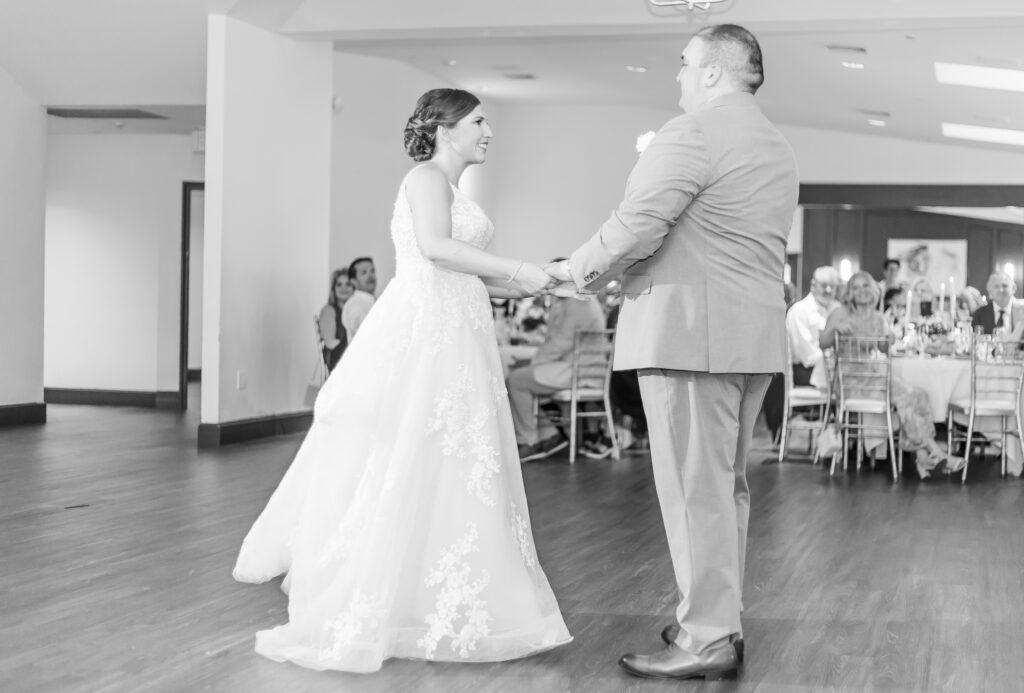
805 321
363 275
549 371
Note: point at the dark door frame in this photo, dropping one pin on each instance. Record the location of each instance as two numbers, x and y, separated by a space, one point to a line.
187 188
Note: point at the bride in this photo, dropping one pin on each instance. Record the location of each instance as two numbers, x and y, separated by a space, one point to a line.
402 524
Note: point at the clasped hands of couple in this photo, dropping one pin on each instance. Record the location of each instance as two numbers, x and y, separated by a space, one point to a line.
549 279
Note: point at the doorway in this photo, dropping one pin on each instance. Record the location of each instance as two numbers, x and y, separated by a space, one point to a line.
191 320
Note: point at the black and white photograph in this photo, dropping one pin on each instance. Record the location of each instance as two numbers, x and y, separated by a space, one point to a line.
580 346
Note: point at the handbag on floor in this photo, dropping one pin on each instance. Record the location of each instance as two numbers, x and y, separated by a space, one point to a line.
828 444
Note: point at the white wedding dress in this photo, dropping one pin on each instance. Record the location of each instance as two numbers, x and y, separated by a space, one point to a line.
402 523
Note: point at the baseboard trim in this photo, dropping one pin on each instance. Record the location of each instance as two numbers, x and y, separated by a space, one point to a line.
111 398
195 375
22 414
217 434
168 399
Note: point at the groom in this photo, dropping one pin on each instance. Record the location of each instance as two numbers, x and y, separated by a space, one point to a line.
700 242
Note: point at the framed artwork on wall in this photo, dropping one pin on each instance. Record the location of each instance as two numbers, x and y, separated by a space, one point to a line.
927 264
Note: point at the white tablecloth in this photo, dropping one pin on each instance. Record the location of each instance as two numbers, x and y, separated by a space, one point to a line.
945 379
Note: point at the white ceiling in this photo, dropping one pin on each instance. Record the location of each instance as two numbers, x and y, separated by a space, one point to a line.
152 54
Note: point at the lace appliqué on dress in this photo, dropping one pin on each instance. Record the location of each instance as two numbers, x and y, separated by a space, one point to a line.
457 592
465 435
521 534
363 614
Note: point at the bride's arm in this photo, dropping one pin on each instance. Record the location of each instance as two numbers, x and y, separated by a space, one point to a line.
499 288
430 199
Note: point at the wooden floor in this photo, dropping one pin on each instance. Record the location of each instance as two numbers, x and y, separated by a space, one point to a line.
117 539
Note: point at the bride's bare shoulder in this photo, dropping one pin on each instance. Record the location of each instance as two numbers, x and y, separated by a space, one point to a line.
427 182
426 176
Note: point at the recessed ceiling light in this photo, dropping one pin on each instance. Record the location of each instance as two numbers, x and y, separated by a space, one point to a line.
977 76
636 68
877 123
852 65
452 63
983 134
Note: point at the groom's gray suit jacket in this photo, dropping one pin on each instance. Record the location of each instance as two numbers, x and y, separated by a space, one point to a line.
700 241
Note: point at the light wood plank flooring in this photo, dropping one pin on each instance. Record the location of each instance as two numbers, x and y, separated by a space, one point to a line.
117 539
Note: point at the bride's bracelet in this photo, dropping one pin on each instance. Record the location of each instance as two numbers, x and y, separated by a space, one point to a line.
513 277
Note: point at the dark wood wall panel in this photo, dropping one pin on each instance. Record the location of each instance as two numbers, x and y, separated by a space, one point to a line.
862 235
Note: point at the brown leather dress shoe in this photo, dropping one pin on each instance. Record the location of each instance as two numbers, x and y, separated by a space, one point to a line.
671 632
717 662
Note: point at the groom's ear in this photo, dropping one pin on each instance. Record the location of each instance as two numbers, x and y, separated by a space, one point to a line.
714 73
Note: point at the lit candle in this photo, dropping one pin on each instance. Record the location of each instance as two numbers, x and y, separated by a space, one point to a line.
952 298
910 304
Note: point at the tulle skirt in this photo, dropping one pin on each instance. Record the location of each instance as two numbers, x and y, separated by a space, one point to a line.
402 524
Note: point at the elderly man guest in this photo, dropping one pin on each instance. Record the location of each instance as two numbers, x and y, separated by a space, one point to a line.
1002 309
549 370
363 276
700 242
805 321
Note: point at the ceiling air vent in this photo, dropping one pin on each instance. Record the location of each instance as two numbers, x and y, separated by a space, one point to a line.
839 48
108 113
519 75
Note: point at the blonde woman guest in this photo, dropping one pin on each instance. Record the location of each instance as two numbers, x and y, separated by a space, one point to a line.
858 316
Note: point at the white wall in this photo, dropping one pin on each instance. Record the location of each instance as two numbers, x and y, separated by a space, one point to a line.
561 170
22 185
268 166
113 252
369 159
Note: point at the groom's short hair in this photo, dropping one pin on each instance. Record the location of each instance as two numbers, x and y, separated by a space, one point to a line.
736 51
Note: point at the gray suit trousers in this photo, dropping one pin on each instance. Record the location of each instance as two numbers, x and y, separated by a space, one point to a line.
700 426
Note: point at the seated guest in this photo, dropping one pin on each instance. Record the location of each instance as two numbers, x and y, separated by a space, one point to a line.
1002 309
894 307
363 276
889 281
624 391
549 370
806 319
860 317
775 398
924 299
332 332
967 302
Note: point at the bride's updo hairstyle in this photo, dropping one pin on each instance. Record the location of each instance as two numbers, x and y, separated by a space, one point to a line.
437 107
